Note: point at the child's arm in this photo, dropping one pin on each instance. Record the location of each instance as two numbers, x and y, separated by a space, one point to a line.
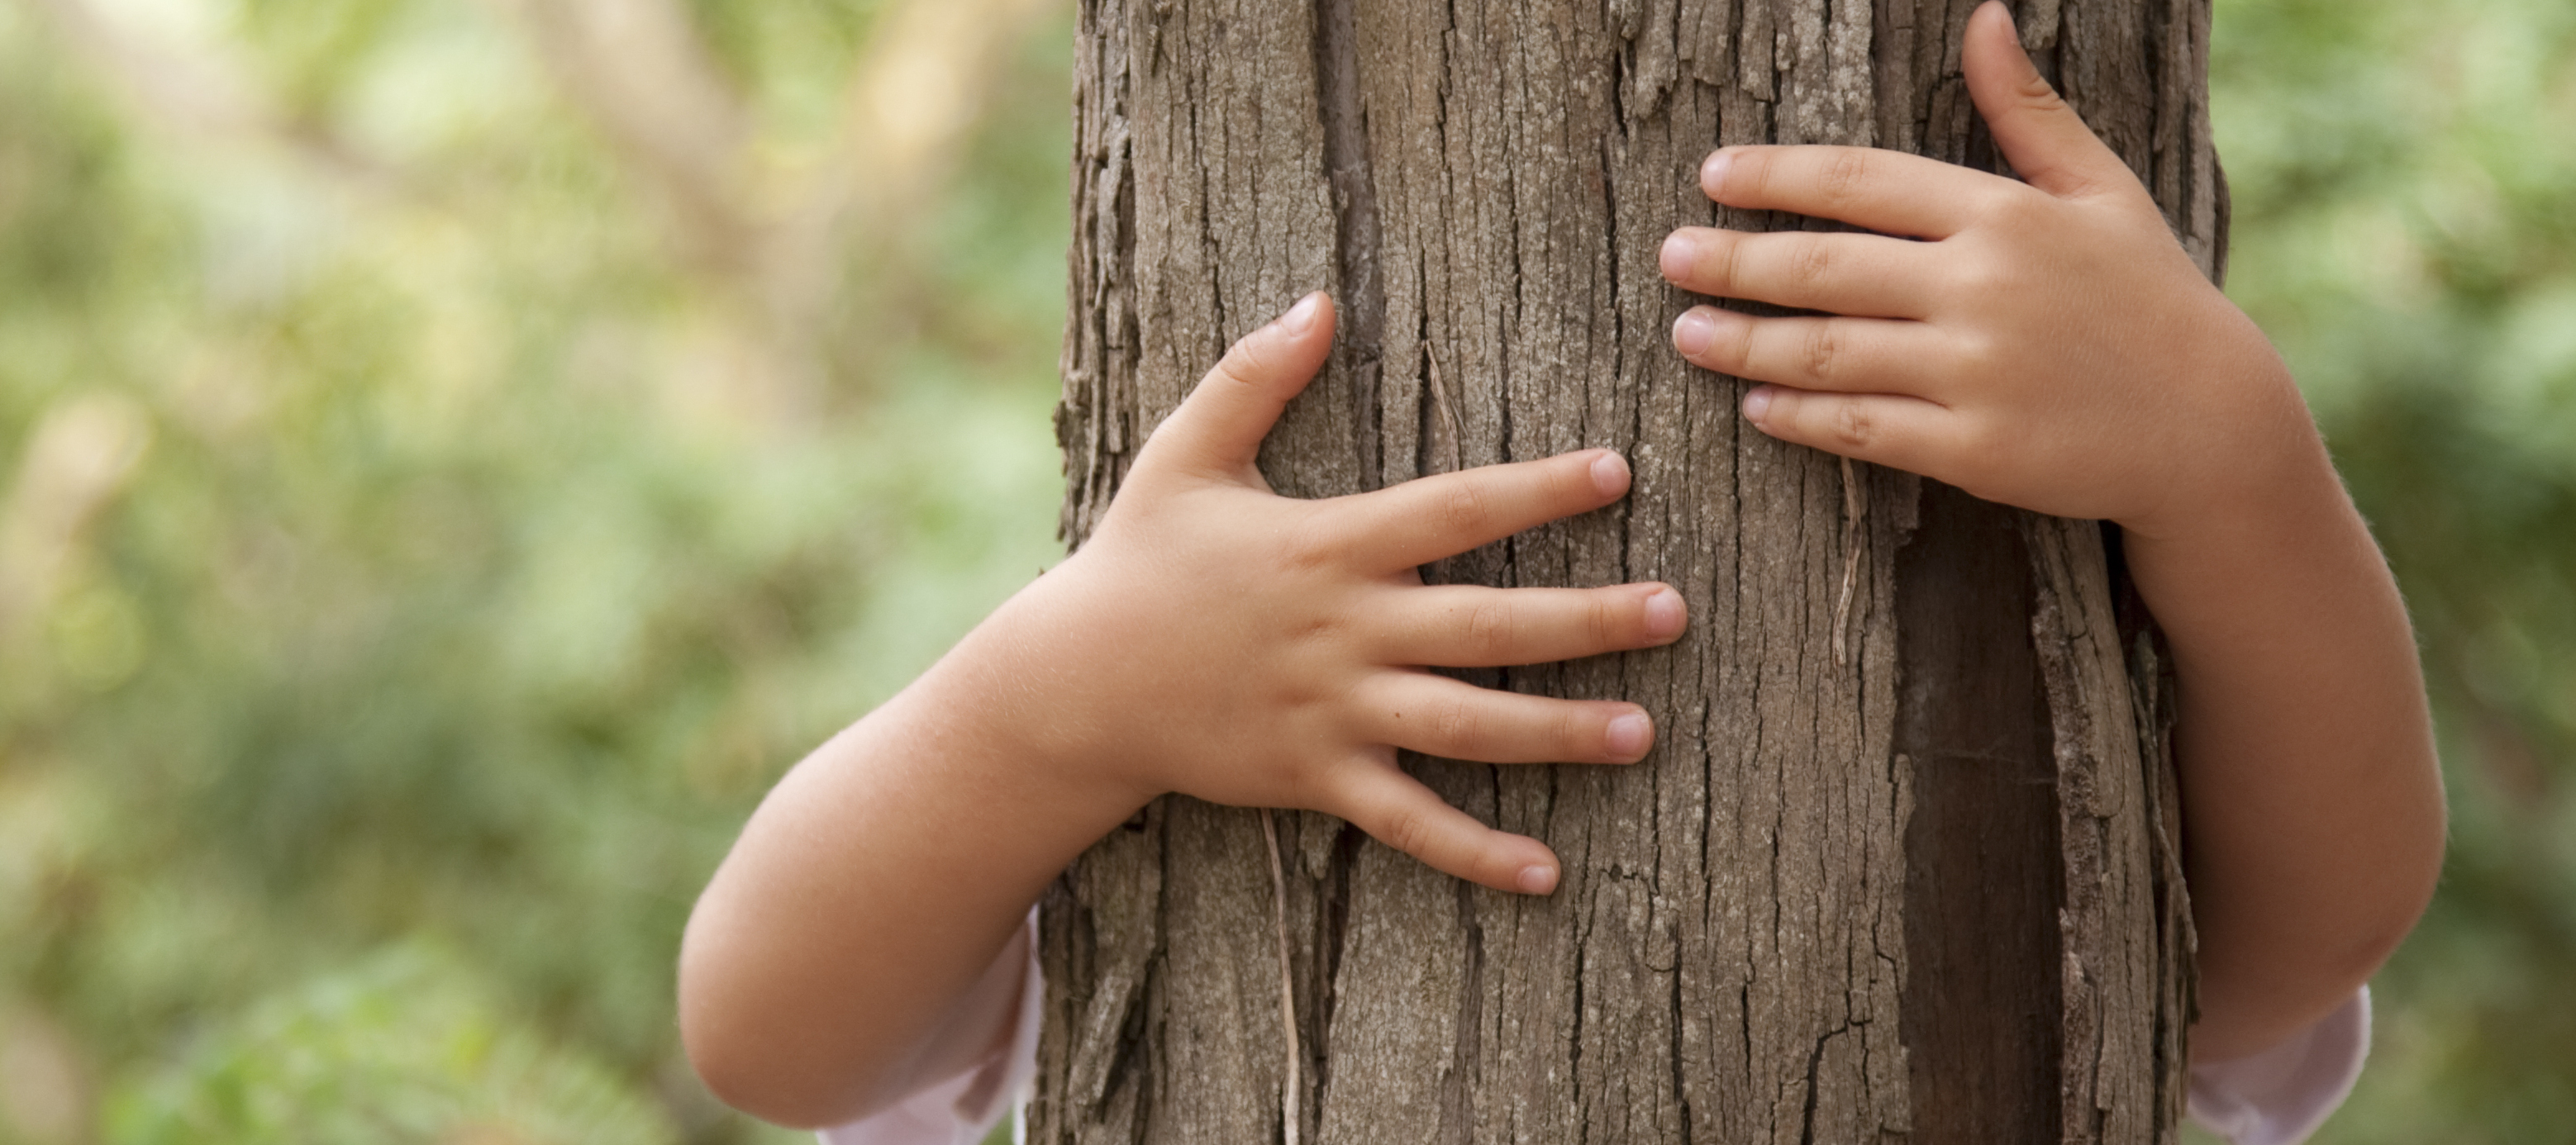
2052 347
1210 638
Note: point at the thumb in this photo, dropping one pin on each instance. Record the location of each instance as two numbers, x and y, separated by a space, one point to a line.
1219 427
2044 140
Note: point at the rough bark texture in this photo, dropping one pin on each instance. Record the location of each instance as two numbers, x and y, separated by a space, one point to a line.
1912 879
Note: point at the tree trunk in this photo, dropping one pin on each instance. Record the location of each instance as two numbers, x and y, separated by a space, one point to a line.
1899 866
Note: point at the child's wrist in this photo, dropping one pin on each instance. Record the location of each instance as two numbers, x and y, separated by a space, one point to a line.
1017 685
2274 520
991 734
2260 458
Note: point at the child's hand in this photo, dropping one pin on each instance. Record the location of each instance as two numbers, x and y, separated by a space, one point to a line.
2050 346
1217 639
1210 638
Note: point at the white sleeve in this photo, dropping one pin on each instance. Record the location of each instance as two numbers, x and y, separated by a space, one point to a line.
2277 1097
2281 1095
964 1108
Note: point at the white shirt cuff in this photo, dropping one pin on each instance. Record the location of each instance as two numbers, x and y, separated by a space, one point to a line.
2276 1097
2281 1095
964 1108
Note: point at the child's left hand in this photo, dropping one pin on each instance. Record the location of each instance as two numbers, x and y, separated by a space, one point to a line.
2050 345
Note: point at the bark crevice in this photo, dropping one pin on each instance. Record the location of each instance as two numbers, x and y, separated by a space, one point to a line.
1756 928
1360 341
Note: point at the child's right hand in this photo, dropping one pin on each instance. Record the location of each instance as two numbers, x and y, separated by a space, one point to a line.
1211 638
1216 639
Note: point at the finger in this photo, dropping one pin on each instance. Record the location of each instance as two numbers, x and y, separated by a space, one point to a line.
1887 191
1866 275
1471 626
1877 355
1397 810
1888 429
1436 715
1219 427
1424 520
2044 140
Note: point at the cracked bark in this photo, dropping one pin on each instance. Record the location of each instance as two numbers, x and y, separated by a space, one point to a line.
1929 894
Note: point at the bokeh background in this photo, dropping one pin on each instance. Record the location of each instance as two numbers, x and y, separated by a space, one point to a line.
454 455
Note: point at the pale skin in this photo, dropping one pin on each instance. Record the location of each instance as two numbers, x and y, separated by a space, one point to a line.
2042 343
1210 638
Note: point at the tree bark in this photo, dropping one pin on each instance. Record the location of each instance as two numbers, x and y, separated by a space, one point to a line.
1901 864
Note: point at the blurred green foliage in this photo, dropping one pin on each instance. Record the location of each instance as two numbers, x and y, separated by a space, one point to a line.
440 499
2405 228
413 538
399 1049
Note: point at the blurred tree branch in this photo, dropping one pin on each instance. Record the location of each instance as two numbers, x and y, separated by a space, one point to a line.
782 244
907 109
638 70
77 458
197 94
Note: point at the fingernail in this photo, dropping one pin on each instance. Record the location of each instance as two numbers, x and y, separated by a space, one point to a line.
1610 474
1537 880
1712 174
1630 735
1664 615
1695 331
1757 403
1302 315
1675 257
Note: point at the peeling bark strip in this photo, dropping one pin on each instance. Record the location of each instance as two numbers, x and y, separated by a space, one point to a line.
1927 894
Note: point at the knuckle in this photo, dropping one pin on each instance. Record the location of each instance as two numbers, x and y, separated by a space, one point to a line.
1490 627
1611 622
1976 275
1852 426
1732 351
1578 732
1566 482
1408 830
1821 352
2017 208
1810 261
1239 368
1727 263
1250 361
2034 93
1455 727
1975 358
1460 506
1843 175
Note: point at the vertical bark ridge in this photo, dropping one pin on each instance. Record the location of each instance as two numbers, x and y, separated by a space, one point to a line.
1101 336
2150 673
1738 950
1359 342
2113 959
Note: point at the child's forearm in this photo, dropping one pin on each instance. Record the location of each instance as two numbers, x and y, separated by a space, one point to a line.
2309 784
1211 638
873 887
2047 344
